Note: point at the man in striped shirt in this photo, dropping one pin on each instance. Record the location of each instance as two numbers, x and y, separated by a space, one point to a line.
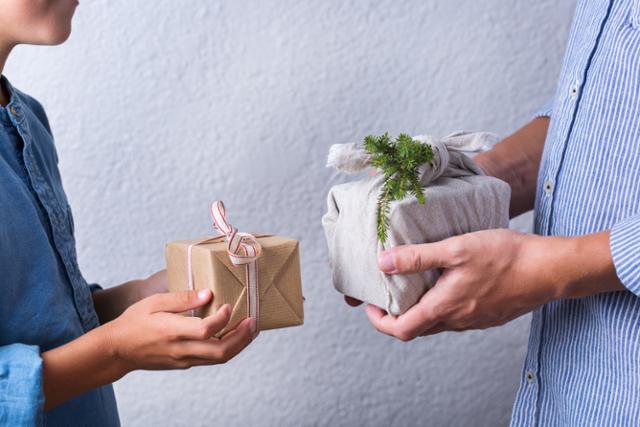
580 273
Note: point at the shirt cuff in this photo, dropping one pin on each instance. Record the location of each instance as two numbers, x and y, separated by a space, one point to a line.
624 241
94 287
545 110
21 396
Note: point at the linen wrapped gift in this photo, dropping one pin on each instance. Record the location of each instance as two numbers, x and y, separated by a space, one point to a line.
458 198
259 276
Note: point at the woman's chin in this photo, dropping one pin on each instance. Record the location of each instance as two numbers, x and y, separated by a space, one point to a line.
55 36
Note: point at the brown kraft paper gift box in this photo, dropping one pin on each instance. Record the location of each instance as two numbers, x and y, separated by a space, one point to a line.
279 280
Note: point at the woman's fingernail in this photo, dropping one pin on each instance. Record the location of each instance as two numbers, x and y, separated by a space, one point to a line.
386 262
203 294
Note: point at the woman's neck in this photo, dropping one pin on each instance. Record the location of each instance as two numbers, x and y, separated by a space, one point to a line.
5 49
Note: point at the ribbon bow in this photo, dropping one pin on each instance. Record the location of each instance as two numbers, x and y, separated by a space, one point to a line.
243 249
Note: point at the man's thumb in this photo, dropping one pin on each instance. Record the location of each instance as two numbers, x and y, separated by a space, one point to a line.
408 259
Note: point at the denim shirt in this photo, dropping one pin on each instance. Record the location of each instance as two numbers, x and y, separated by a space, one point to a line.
45 301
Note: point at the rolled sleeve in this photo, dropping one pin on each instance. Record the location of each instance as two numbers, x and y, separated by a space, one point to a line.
545 110
625 251
21 396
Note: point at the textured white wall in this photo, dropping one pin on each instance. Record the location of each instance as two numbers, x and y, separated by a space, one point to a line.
160 107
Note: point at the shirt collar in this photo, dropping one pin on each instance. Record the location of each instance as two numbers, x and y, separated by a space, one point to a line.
15 108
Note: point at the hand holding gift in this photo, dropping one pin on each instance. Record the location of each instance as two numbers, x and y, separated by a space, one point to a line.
490 277
257 276
150 335
430 190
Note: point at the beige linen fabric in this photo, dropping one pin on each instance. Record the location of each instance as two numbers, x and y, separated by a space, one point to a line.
459 199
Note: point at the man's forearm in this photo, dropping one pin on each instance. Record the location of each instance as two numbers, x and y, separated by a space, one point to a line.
516 160
585 267
574 267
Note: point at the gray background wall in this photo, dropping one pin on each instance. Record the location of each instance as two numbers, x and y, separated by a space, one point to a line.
160 107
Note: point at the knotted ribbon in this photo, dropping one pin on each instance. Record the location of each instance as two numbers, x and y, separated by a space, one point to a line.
449 156
243 249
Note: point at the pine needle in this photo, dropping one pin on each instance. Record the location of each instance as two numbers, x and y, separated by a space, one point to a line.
399 161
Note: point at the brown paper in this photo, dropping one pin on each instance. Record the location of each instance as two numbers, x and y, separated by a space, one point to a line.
281 301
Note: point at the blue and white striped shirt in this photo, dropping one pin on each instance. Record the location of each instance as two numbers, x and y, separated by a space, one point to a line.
583 363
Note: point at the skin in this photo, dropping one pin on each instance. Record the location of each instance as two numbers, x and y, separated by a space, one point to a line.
141 325
494 276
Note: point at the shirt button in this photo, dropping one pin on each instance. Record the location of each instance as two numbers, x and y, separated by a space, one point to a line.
574 90
531 377
548 187
14 111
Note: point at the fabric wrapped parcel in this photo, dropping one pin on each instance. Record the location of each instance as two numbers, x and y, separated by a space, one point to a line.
259 276
459 199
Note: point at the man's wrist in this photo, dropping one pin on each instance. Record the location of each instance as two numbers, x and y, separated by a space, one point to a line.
486 162
582 266
544 260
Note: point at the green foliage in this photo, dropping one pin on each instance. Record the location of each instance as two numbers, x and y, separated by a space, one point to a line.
399 161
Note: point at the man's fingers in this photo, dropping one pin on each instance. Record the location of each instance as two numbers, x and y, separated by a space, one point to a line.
177 302
408 259
380 319
424 315
352 301
408 326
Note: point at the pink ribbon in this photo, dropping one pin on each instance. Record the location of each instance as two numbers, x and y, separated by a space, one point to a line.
243 249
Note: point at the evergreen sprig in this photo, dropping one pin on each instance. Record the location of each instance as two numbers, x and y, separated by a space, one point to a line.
399 161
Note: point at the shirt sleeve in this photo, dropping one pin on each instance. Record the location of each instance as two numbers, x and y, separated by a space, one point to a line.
625 251
545 110
21 396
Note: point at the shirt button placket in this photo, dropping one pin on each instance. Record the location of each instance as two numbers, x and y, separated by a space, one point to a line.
574 90
81 296
548 187
529 379
530 376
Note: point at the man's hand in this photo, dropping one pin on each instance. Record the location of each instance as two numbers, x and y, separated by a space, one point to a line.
491 277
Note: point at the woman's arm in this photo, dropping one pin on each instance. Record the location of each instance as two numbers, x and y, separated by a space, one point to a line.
112 302
516 160
148 335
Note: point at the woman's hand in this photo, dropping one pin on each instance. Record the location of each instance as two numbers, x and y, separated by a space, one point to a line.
157 283
151 335
148 335
112 302
491 277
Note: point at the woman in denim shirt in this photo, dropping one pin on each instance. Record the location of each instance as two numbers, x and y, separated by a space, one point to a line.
56 360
